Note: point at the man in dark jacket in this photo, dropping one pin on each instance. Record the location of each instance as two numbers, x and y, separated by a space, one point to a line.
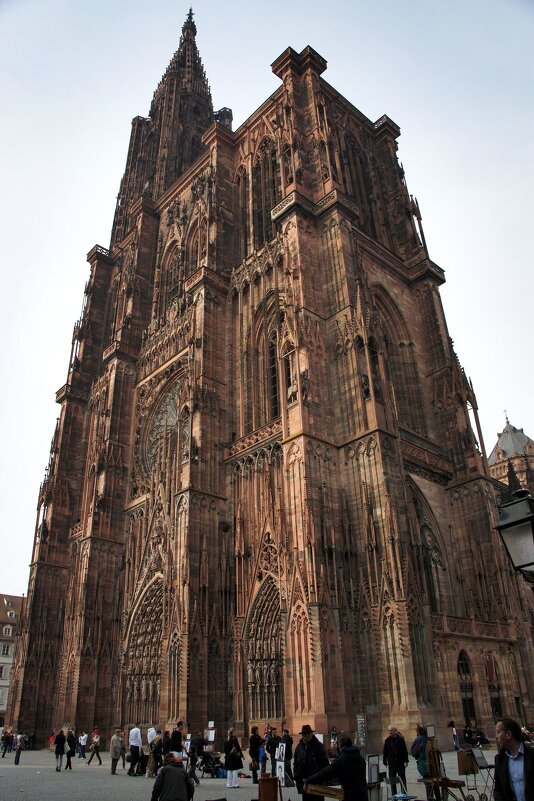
177 737
171 783
514 764
395 758
271 745
310 757
288 756
348 768
254 744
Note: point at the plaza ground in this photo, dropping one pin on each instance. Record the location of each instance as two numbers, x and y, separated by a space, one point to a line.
35 779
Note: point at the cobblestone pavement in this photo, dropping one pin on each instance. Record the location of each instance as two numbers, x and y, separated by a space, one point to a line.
35 779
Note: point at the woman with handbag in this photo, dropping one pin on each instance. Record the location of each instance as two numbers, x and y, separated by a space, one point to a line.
233 759
254 744
95 746
70 749
59 748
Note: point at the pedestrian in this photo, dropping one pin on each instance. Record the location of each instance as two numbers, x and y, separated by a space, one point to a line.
395 758
348 769
418 751
263 758
157 751
310 758
59 748
115 750
150 735
7 737
469 736
95 746
166 743
172 784
455 738
122 749
233 759
71 749
177 738
254 744
270 746
199 742
287 740
82 739
514 764
135 744
193 759
18 743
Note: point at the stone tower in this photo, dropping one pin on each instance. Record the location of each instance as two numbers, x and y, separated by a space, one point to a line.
265 499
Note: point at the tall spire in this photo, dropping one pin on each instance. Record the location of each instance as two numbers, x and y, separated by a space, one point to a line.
187 64
163 145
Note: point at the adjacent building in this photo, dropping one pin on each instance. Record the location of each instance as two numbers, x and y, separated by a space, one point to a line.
265 499
512 459
10 609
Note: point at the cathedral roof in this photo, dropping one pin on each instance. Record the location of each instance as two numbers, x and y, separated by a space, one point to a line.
511 442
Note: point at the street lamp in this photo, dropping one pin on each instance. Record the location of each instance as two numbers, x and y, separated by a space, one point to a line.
516 527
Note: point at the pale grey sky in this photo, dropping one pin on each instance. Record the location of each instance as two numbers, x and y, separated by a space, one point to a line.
457 76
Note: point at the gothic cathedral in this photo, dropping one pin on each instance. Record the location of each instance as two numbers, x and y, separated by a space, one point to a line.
265 499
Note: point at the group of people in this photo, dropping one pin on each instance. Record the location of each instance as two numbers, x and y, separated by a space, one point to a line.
514 764
263 748
311 763
15 741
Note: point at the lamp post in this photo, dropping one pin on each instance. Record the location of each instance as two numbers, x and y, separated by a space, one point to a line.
516 528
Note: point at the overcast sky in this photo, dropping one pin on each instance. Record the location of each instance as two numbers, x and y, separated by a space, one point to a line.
457 76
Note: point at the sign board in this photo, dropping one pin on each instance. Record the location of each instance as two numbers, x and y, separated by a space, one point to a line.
361 732
280 753
373 763
280 773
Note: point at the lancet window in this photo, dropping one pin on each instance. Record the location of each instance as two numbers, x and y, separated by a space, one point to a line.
174 678
265 191
300 660
465 679
242 205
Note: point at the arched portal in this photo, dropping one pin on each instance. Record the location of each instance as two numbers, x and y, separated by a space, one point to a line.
263 644
142 675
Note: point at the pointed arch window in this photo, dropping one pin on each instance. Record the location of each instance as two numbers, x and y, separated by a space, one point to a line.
272 377
175 276
196 247
375 370
466 687
464 672
265 191
242 205
174 677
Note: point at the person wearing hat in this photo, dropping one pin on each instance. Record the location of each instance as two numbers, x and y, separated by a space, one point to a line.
115 750
348 769
310 758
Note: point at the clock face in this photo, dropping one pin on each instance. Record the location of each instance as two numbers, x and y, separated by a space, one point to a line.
164 422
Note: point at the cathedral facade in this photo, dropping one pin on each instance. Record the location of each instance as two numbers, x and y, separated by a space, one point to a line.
265 499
